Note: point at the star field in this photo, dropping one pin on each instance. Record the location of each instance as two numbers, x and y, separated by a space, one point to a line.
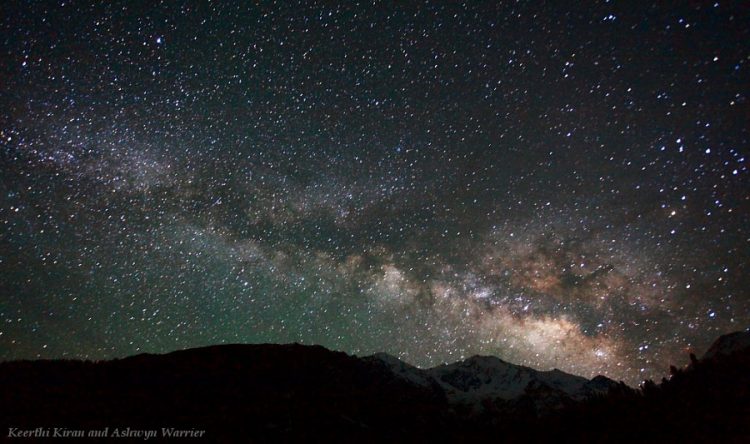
557 185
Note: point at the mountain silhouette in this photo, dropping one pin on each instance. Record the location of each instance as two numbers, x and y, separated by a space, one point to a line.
272 393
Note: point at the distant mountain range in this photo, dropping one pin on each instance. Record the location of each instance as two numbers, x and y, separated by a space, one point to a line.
271 393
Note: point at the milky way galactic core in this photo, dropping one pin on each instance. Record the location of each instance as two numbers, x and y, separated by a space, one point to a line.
556 185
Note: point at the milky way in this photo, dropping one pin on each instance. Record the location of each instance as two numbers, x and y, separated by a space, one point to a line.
557 187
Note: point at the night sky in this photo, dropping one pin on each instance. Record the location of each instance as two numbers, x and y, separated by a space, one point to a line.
557 185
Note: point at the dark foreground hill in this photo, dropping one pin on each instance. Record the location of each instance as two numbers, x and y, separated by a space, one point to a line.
242 392
281 393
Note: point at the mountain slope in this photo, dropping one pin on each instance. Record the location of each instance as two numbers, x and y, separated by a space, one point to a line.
728 344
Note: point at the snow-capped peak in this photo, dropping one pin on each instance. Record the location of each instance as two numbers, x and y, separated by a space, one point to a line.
487 377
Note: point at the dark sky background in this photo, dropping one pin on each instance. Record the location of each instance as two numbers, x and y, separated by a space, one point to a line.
560 184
